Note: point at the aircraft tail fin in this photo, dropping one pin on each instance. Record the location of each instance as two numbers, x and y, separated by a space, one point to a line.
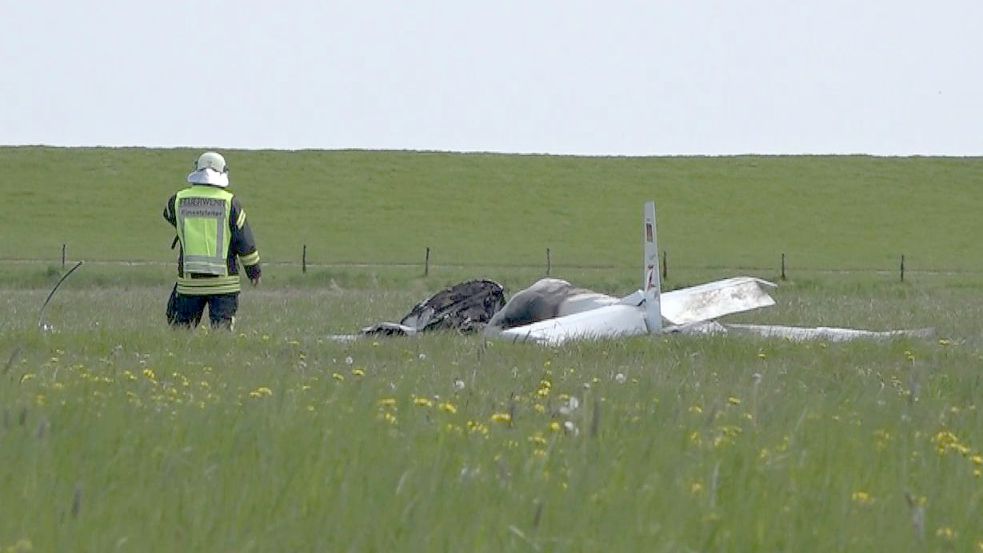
651 278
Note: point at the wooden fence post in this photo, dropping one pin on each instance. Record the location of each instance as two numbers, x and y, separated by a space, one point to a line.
549 262
665 265
783 266
902 267
63 248
303 260
426 263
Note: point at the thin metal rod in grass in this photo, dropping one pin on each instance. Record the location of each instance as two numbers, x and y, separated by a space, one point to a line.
44 326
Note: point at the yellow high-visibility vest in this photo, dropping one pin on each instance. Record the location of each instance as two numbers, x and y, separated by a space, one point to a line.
202 221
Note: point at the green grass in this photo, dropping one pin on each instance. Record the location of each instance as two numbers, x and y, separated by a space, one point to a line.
492 210
118 434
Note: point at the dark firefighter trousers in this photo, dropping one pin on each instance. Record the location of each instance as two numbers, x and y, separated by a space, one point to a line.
186 311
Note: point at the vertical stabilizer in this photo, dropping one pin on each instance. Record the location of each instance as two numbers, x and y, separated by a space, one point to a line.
652 279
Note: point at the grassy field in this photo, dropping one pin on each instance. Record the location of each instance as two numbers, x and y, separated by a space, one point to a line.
117 434
493 210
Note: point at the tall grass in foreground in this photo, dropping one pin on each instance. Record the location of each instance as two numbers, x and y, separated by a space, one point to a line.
118 434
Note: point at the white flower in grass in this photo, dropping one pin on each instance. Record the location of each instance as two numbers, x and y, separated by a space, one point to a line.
349 360
571 428
570 406
620 378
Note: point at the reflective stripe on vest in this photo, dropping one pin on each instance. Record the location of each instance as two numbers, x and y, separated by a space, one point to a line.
202 225
206 286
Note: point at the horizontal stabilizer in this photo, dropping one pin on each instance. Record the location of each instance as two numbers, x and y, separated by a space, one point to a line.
716 299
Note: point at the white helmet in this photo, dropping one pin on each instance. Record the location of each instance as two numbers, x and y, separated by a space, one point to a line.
211 160
210 169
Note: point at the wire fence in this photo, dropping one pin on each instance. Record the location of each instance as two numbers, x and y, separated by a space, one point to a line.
781 268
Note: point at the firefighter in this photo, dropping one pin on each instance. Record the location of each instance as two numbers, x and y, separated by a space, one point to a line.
215 237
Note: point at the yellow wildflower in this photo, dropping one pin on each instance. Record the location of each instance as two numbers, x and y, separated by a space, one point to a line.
422 402
261 392
358 372
555 427
338 377
695 409
150 375
387 402
733 400
861 498
946 533
504 418
477 428
448 407
696 488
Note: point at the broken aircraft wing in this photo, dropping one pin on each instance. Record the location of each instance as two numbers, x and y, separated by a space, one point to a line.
716 299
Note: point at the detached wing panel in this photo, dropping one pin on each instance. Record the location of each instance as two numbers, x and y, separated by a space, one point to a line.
716 299
612 321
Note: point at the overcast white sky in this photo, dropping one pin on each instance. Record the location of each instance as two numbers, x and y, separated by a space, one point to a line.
572 76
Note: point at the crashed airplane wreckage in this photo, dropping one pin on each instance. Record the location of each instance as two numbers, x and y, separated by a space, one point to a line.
553 311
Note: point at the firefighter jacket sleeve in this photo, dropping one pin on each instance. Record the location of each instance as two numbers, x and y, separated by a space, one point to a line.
243 243
169 215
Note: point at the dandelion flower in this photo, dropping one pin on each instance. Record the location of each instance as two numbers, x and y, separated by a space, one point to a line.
358 372
422 402
448 407
861 498
503 418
